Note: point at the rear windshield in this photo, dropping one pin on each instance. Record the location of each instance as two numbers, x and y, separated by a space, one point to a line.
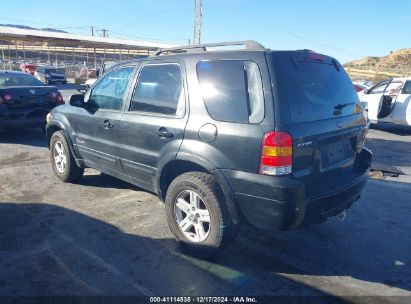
10 80
317 91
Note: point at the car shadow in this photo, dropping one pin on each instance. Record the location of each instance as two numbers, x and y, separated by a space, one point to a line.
28 136
50 250
99 179
371 245
392 128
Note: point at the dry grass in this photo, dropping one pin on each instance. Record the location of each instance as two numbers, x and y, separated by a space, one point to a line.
397 62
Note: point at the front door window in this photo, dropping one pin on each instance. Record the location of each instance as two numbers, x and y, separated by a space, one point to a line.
109 92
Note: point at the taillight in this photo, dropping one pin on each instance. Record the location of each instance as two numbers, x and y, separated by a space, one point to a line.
316 57
276 153
60 99
57 97
7 98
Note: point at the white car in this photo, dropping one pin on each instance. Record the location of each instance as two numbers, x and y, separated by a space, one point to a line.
89 82
389 101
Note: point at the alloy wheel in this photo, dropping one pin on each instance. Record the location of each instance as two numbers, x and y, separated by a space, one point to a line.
192 216
60 158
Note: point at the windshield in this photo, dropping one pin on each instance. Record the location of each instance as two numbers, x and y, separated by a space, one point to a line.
10 80
55 71
317 91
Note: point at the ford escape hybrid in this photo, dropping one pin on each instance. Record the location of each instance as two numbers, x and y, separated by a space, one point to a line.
273 139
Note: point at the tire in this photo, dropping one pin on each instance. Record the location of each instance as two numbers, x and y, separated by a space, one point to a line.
207 197
66 168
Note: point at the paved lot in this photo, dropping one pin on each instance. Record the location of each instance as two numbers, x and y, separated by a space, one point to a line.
105 237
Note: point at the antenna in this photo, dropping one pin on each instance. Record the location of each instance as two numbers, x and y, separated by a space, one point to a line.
198 20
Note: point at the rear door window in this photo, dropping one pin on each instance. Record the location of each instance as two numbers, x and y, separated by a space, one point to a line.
318 91
159 90
232 90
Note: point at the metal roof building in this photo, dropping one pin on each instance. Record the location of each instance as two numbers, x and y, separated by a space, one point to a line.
59 48
74 40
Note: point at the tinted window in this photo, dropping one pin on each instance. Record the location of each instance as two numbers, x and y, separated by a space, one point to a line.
109 91
159 90
393 88
10 80
54 71
407 88
232 90
317 91
378 88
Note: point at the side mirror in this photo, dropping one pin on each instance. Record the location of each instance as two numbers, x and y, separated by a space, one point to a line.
77 100
366 91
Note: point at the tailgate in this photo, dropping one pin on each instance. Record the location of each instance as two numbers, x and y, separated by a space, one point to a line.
324 152
318 106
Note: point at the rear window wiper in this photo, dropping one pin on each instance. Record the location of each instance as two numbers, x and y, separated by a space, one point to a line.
340 106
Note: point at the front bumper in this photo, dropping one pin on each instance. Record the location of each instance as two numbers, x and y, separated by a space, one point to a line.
283 202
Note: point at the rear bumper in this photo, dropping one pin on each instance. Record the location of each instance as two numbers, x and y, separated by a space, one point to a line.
283 203
23 122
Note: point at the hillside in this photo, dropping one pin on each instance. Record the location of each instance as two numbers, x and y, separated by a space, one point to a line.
397 62
25 27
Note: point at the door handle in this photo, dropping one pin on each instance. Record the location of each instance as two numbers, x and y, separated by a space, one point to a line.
108 124
163 132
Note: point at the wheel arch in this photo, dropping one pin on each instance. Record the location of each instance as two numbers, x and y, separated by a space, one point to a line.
56 126
191 163
52 128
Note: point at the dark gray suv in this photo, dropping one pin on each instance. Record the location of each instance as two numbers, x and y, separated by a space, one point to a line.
273 139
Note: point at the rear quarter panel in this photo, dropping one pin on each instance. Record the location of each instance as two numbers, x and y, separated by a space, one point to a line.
236 145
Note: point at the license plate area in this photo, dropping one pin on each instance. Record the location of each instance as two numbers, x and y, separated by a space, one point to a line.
32 99
335 152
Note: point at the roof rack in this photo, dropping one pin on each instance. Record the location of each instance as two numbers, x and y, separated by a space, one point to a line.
248 44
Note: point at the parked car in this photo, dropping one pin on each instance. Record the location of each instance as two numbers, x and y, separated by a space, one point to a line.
100 71
389 101
25 101
359 87
28 68
50 75
274 139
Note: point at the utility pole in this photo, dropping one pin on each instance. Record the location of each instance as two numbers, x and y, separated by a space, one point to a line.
92 30
198 20
104 32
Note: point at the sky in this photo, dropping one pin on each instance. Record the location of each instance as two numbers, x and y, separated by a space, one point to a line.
345 29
